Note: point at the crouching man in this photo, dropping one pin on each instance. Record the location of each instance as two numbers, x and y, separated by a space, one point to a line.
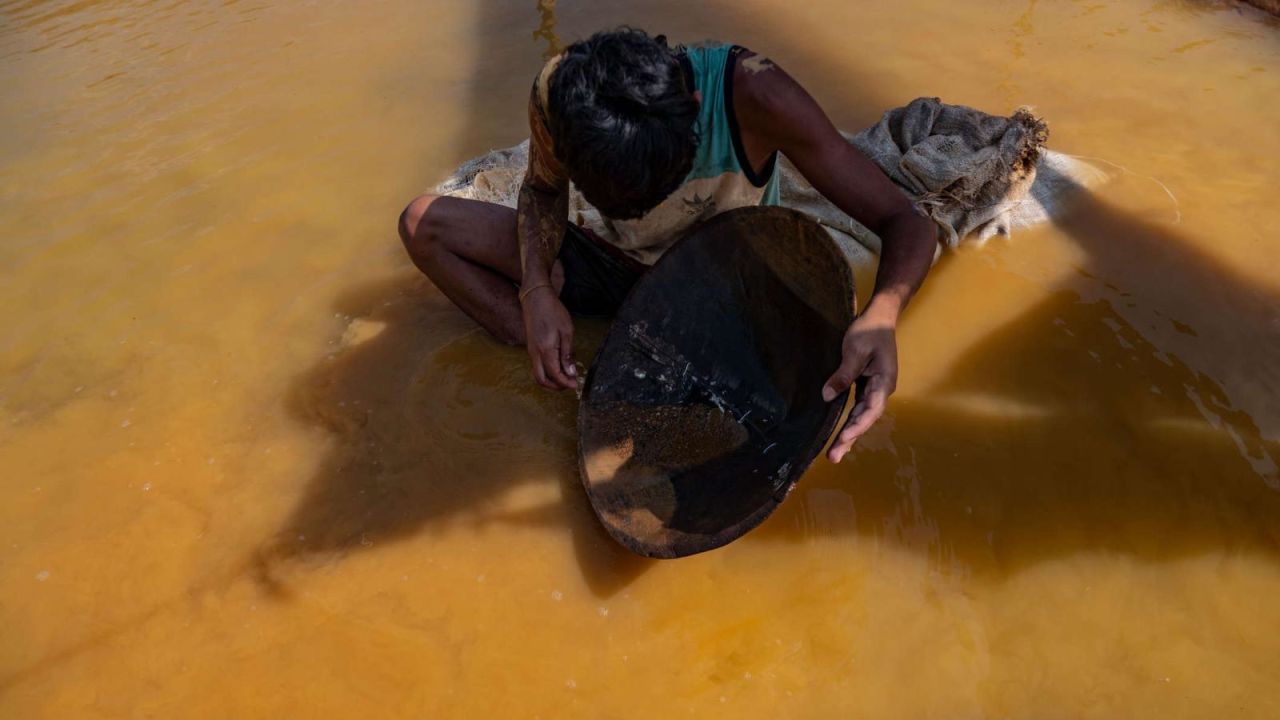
658 139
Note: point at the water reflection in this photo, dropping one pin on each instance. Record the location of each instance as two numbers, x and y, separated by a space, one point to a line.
547 29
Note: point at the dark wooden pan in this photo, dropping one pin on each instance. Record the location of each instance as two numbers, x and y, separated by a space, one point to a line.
704 404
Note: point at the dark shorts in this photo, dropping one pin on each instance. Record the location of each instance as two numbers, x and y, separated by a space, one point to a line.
597 275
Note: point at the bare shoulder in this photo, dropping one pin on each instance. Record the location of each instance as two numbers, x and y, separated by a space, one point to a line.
768 101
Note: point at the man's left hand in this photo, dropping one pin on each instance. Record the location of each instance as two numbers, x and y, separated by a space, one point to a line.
870 355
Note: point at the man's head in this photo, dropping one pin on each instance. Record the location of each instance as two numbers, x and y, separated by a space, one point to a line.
623 121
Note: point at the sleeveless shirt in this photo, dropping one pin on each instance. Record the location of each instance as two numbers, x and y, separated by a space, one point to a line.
721 177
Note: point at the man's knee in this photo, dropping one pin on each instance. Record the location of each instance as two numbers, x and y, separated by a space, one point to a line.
416 226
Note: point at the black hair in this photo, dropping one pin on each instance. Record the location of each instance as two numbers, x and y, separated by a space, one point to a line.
623 121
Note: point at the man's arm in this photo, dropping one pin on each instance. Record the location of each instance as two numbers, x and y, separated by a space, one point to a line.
776 114
541 216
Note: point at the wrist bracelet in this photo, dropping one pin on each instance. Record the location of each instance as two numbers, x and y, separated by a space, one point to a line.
525 292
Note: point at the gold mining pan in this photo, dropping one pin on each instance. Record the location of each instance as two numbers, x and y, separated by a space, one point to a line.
703 406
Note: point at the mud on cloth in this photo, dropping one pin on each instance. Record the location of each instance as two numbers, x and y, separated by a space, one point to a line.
965 169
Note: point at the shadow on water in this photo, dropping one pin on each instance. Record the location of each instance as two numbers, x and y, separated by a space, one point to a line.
1063 432
1184 299
431 422
1069 429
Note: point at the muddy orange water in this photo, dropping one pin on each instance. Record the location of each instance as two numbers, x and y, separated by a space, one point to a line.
252 465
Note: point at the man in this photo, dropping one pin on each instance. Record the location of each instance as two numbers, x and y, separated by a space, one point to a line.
657 140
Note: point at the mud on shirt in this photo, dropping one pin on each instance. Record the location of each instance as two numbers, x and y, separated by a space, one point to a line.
721 178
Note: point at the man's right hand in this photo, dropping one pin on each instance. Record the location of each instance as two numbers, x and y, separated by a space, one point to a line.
548 332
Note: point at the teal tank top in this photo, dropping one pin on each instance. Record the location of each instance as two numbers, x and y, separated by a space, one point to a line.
709 68
721 178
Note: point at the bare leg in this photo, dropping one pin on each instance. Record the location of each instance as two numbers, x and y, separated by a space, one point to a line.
469 250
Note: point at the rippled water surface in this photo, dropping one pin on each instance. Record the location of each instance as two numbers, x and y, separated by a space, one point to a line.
252 465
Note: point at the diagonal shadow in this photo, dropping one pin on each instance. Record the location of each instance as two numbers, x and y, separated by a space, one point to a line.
1019 457
1069 430
424 436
